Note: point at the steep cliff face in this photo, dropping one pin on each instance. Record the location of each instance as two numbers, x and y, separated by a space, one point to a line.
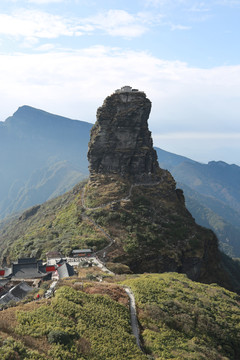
137 202
120 140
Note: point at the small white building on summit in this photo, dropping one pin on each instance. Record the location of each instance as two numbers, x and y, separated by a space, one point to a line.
127 88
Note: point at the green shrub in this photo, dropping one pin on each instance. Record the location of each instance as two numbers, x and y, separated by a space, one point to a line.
11 349
118 268
58 337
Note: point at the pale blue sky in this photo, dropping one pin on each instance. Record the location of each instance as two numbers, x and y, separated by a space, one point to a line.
66 56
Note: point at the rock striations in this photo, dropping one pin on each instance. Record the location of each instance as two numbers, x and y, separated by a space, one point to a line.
120 140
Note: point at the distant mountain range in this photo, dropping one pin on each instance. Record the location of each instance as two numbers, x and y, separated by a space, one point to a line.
212 193
43 155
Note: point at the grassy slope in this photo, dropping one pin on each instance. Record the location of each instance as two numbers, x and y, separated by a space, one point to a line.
153 232
56 225
181 319
60 223
87 327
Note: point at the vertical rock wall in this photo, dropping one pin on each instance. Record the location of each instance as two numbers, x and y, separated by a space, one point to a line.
121 142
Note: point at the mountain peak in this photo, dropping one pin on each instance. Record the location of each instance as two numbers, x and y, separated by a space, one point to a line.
27 111
120 140
218 163
35 119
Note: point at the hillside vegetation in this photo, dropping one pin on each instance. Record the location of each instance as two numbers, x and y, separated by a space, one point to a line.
181 319
151 230
73 326
56 225
59 224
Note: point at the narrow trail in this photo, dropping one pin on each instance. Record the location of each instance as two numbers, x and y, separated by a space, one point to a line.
134 320
126 198
111 240
132 304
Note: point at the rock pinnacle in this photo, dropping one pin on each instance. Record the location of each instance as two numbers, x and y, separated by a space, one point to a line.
120 141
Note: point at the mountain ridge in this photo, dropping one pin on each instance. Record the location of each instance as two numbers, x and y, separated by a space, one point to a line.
15 181
33 140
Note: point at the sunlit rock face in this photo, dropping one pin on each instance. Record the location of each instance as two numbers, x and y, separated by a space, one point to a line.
121 142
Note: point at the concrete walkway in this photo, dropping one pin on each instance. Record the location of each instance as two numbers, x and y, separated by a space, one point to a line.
50 292
133 312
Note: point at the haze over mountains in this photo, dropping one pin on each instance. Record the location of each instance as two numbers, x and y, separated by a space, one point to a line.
43 155
212 194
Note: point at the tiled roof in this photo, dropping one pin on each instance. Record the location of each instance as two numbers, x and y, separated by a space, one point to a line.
17 293
65 270
26 271
27 261
3 282
80 251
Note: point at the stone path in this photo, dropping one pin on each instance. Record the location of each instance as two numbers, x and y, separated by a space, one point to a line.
50 292
111 240
100 264
126 198
132 304
133 312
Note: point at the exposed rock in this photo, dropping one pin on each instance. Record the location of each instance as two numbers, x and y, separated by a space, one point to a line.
120 140
154 231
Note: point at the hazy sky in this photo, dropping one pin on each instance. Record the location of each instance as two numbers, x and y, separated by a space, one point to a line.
66 56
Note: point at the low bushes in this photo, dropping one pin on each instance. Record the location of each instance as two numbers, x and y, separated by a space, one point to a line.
182 319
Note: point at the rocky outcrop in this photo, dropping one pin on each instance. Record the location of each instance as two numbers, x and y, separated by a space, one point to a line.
153 230
120 140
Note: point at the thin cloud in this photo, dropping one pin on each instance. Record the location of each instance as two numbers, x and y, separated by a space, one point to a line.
179 27
41 2
180 13
118 23
202 104
230 3
198 136
199 8
35 24
184 98
40 24
155 3
38 2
